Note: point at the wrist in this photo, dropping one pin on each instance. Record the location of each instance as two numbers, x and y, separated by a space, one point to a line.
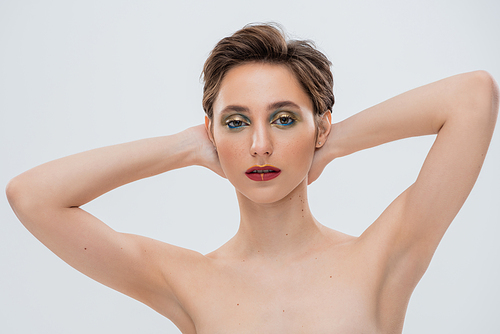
333 145
188 147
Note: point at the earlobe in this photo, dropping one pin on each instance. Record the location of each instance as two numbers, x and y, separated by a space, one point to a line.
324 127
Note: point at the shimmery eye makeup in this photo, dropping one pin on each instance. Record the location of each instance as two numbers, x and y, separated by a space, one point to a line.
279 118
236 121
234 124
283 119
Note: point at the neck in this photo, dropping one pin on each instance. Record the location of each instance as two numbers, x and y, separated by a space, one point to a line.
276 229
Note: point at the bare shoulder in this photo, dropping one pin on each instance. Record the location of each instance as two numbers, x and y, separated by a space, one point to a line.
325 282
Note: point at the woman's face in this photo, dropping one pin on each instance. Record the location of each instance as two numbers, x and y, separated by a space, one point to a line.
264 130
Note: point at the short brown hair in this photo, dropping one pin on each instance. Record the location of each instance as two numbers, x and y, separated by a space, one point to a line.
267 43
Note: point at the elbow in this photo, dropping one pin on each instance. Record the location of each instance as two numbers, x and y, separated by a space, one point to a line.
14 192
16 195
20 197
474 101
494 93
484 94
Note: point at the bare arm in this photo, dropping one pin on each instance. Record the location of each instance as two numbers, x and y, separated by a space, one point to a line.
462 111
46 199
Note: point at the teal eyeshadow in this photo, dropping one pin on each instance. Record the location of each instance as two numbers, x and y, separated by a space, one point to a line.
292 115
224 121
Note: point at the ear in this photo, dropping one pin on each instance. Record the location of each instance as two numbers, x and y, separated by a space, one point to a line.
324 127
208 127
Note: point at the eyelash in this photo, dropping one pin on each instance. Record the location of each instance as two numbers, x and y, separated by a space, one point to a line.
282 120
289 120
230 123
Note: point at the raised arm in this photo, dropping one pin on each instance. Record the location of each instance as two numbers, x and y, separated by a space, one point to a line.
46 200
462 111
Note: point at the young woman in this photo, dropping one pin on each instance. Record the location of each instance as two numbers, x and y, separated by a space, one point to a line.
268 131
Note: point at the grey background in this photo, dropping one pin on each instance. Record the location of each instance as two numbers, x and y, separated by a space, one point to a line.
76 75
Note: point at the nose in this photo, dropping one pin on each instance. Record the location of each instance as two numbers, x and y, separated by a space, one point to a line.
261 142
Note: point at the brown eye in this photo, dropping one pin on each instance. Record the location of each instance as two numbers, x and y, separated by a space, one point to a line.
235 124
284 120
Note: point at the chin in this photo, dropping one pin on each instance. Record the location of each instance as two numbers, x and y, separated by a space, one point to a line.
271 194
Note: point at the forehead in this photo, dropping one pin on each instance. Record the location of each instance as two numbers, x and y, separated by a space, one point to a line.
256 85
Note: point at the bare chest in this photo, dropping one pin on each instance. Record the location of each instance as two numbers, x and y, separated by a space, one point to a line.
317 298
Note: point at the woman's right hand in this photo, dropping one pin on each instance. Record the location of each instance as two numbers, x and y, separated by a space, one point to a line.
205 153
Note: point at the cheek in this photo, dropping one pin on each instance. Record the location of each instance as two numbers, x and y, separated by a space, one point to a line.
302 148
303 157
230 153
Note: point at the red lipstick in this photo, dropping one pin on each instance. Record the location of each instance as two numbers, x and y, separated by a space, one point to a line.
262 173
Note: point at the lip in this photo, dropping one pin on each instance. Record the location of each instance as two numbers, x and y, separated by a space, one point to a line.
269 172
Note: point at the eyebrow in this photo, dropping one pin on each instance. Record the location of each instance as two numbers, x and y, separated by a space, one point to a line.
271 106
234 108
282 104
